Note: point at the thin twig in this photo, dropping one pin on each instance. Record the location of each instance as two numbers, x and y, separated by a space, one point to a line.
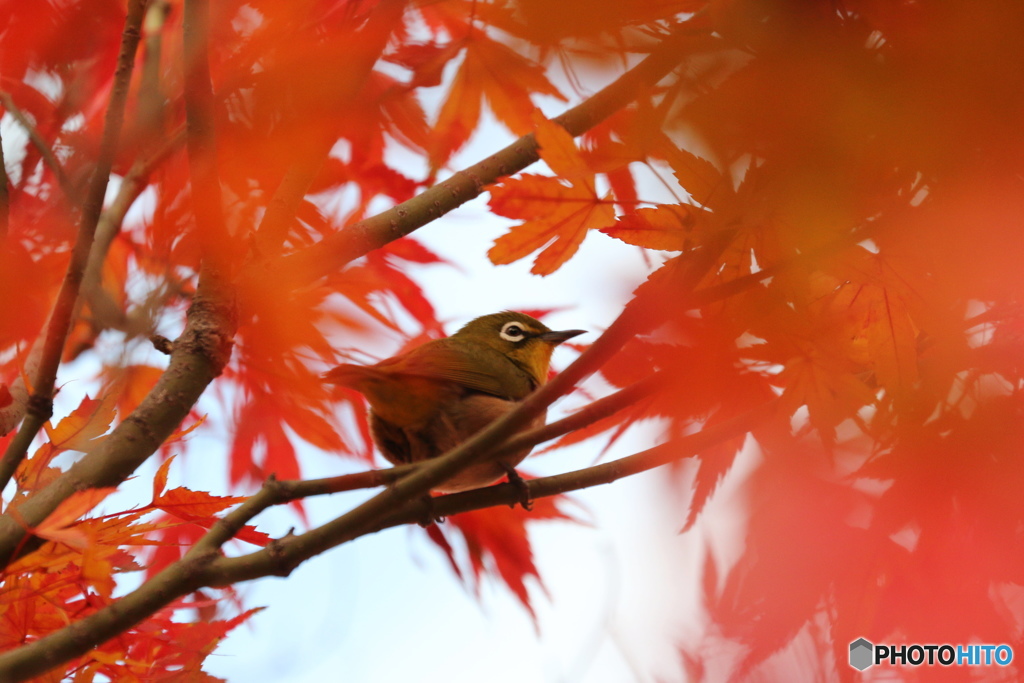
49 158
109 225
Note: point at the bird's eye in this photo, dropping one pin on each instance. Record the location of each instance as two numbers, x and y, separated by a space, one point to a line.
513 332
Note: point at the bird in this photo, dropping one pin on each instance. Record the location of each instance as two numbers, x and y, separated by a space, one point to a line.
428 400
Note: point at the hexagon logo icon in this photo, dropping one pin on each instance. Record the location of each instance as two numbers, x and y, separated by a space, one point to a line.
861 652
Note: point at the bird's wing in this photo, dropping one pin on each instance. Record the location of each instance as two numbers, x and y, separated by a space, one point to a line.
440 361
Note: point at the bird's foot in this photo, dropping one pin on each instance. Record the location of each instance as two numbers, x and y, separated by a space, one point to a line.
429 517
525 499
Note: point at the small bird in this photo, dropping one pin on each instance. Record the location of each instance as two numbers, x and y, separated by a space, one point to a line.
428 400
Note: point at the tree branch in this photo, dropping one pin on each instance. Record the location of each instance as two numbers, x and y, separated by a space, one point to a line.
203 567
69 190
640 315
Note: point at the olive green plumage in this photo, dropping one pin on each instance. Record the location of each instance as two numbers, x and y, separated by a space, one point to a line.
430 399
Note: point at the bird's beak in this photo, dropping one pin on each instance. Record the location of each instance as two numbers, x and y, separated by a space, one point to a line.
554 338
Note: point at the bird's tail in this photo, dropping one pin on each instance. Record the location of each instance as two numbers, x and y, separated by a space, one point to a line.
351 376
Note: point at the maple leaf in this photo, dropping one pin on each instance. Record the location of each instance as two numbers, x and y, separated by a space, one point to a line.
201 508
60 525
668 227
130 385
559 211
699 177
492 70
85 426
499 535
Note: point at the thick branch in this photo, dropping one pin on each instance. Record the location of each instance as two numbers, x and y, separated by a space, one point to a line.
199 356
358 239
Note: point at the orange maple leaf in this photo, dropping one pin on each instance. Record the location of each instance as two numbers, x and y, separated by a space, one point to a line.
697 176
60 525
668 227
82 429
194 506
198 507
500 535
495 71
558 211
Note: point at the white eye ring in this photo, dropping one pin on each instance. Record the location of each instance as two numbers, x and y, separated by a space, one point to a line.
513 332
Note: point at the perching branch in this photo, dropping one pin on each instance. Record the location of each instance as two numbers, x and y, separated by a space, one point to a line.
203 566
641 315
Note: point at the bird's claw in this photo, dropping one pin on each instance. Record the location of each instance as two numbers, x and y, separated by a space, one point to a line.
428 518
525 499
